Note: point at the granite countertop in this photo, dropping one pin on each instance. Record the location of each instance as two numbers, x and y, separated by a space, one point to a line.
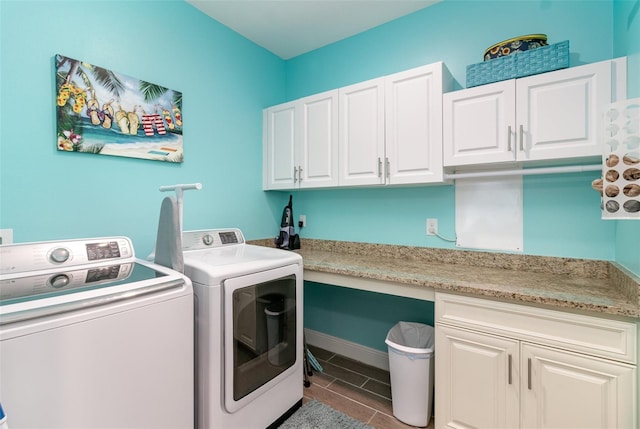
595 286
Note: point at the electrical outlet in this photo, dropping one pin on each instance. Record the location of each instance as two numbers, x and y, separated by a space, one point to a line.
432 226
302 221
6 236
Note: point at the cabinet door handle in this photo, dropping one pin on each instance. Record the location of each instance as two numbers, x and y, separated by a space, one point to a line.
521 137
510 362
379 167
509 138
529 373
300 174
388 167
295 171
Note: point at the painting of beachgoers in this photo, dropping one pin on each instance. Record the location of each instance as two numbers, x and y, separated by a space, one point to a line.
102 112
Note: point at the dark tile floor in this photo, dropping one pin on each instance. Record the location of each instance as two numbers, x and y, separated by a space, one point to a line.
354 388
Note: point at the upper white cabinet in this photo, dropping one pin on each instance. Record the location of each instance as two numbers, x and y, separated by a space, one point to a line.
379 132
301 143
391 128
413 120
404 128
318 136
362 133
548 116
279 157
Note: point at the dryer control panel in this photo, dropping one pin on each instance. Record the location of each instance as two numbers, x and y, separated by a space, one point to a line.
208 238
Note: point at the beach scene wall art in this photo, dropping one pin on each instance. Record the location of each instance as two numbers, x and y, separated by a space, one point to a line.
102 112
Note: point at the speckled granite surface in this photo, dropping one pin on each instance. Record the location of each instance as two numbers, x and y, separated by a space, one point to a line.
596 286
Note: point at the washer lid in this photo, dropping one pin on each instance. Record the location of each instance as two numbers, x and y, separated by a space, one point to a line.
34 286
46 293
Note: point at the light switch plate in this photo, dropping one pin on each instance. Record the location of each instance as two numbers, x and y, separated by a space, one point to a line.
6 236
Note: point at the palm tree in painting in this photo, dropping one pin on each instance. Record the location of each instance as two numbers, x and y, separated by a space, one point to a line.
152 92
68 122
104 77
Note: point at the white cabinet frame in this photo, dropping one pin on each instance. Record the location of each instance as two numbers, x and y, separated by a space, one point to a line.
549 116
502 365
300 148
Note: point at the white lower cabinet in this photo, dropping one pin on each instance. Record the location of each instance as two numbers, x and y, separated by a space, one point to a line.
500 365
570 390
475 388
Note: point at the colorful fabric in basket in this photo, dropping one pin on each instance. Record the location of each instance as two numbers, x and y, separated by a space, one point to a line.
519 64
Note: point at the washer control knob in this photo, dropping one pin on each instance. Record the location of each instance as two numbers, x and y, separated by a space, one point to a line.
59 280
59 255
207 239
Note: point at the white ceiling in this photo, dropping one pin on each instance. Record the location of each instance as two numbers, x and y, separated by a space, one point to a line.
292 27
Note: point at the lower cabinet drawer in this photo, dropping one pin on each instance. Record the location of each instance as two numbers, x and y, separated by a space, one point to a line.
595 336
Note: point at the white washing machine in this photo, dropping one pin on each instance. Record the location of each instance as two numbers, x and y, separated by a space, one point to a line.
91 337
249 338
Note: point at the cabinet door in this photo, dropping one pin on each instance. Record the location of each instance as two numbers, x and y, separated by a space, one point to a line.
477 380
413 120
567 390
317 133
362 133
557 113
479 124
279 147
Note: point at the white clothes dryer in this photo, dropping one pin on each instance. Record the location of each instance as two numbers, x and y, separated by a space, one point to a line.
249 333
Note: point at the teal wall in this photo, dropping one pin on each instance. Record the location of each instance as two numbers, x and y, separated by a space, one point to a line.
225 79
362 317
456 32
627 42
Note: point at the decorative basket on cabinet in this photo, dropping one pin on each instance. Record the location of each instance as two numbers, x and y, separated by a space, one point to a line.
519 64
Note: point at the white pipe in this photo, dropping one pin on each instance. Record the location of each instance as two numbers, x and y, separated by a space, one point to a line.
525 172
179 190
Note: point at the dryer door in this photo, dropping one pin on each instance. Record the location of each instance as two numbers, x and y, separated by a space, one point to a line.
262 332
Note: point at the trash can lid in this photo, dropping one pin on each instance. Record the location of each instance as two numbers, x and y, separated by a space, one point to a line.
270 312
411 337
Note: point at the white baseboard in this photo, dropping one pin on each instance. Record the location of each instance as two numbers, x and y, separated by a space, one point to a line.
348 349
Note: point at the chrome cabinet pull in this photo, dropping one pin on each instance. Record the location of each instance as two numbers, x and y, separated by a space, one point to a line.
510 359
295 171
509 138
300 174
379 167
521 137
388 167
529 373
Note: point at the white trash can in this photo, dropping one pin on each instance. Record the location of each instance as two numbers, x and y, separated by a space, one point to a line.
411 368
